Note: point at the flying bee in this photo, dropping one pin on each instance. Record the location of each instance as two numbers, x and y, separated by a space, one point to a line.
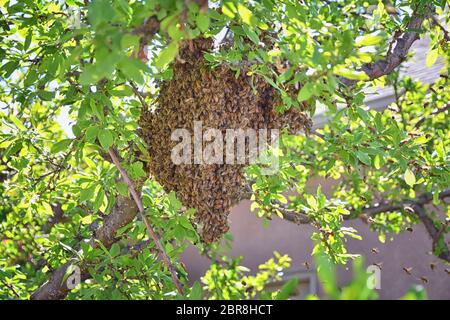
407 270
408 209
379 265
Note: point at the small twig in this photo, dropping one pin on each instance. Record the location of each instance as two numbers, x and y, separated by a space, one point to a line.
417 204
435 112
444 31
398 100
139 95
150 229
11 288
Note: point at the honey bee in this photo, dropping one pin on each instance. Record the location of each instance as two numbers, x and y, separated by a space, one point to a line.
424 280
221 99
407 270
409 209
379 265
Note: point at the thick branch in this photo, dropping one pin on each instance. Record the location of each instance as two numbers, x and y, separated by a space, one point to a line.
433 232
122 213
395 57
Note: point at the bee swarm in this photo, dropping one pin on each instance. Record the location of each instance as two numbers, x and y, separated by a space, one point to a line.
222 101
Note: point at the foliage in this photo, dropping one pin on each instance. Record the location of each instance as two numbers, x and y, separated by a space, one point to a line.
357 289
98 63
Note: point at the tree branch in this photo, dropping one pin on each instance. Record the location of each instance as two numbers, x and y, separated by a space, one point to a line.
444 31
10 287
433 232
150 229
395 57
435 112
58 217
123 212
417 206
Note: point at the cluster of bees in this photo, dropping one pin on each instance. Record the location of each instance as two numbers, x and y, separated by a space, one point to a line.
221 100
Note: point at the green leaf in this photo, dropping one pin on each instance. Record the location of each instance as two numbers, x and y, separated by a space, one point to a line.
432 57
421 140
245 13
363 114
229 9
132 69
363 157
9 68
31 78
410 178
17 122
436 198
327 274
287 289
129 40
185 223
99 200
416 293
87 194
351 74
28 39
196 292
91 133
60 145
97 108
377 162
100 11
122 188
12 149
312 202
106 138
251 34
305 92
369 40
46 95
115 250
166 55
174 202
202 22
87 219
136 170
89 75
